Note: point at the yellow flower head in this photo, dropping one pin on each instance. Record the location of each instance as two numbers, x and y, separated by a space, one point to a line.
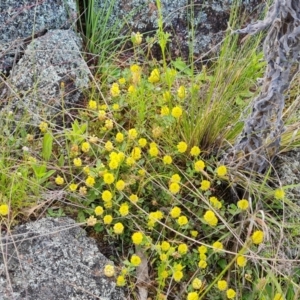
124 209
122 81
174 188
202 249
132 134
101 115
176 112
91 221
182 248
192 296
215 202
137 238
121 280
205 185
165 246
107 219
90 181
118 228
136 38
217 246
136 153
175 212
43 127
85 147
177 275
257 237
195 151
197 284
108 178
135 260
202 264
131 89
182 220
278 296
98 210
279 194
153 151
4 210
59 180
199 165
142 142
109 124
167 159
109 271
73 187
115 90
77 162
109 146
181 92
243 204
221 171
230 293
241 261
182 147
92 104
133 198
175 178
154 76
164 111
222 285
211 218
106 196
120 185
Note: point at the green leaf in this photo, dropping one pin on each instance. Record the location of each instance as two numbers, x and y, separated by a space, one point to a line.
47 146
182 67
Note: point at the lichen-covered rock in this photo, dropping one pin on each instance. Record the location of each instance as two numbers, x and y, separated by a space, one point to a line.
20 20
49 78
53 259
208 17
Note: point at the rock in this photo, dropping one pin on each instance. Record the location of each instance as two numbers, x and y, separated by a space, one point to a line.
23 19
53 259
209 18
36 81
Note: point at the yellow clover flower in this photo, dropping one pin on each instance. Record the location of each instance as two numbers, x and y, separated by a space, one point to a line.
136 38
90 181
257 237
73 187
195 151
115 90
197 284
199 165
278 296
205 185
135 260
202 264
121 280
109 146
92 104
109 271
176 112
124 209
77 162
4 209
217 246
175 212
192 296
182 248
241 261
174 188
181 92
177 275
133 198
211 218
167 160
202 249
120 185
106 196
279 194
118 228
85 147
221 171
98 210
230 293
107 219
108 178
154 76
243 204
222 285
132 133
43 127
182 220
153 151
59 180
137 238
182 147
164 111
91 221
119 137
142 142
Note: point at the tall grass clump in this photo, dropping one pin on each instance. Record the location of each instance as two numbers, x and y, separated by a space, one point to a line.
141 167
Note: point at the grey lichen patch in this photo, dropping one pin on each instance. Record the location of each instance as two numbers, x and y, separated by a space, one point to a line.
23 19
208 17
48 63
53 259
